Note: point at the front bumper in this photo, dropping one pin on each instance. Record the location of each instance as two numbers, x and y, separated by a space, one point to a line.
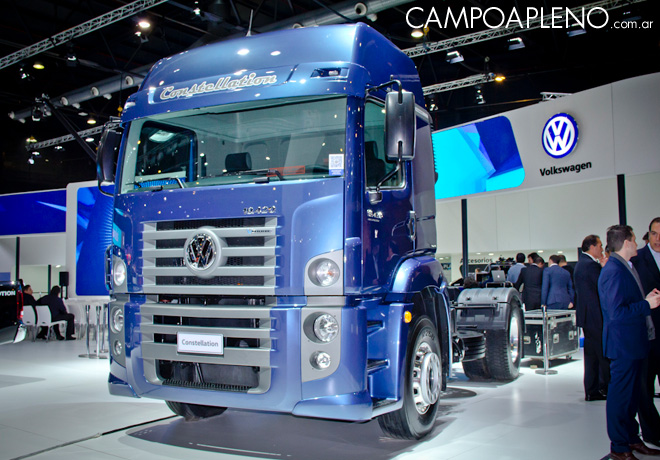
278 348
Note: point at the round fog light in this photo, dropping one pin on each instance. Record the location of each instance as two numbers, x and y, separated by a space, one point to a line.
326 328
117 320
117 348
321 360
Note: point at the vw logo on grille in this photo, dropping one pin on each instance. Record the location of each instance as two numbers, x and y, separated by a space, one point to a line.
560 135
202 252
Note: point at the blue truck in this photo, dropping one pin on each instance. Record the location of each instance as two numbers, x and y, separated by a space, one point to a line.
274 237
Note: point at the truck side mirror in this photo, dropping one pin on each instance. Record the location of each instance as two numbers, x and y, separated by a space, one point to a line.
106 158
400 125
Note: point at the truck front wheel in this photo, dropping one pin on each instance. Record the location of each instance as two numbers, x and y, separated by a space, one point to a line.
192 412
421 388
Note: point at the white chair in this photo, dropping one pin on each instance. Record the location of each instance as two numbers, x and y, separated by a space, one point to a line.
30 320
44 319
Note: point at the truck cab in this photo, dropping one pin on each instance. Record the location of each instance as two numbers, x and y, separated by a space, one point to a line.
274 233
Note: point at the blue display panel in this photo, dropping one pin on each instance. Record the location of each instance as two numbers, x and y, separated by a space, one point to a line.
93 236
29 213
475 158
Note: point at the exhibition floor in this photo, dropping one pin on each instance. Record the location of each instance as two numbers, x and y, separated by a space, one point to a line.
55 405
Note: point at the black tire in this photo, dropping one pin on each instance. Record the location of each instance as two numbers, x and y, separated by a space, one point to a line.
477 370
504 348
192 412
503 352
422 385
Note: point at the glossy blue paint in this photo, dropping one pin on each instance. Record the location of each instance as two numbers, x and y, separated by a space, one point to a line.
309 216
292 57
415 274
314 216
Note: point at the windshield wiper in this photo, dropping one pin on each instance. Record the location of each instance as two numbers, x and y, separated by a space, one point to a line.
158 188
258 172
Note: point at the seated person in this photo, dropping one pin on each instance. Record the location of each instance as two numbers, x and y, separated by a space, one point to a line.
58 312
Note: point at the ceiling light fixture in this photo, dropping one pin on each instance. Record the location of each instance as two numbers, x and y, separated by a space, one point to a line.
453 57
574 32
516 43
37 113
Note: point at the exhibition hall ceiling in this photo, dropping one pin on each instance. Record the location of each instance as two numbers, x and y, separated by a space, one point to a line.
621 39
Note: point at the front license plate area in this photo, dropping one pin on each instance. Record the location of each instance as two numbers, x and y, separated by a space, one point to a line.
206 344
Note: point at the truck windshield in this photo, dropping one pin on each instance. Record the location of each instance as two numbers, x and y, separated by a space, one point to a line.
215 146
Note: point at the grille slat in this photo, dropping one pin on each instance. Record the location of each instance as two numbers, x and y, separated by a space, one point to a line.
248 251
245 364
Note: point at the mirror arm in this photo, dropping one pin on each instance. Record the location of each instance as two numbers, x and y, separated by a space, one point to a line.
384 85
377 196
103 192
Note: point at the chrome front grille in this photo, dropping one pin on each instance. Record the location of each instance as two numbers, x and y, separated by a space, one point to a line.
245 364
249 251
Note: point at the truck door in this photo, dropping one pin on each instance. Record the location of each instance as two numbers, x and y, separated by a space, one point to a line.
387 225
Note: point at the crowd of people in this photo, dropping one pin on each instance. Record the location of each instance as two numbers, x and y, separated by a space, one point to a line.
616 293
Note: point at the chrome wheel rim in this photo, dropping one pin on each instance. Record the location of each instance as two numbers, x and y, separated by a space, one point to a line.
514 338
426 378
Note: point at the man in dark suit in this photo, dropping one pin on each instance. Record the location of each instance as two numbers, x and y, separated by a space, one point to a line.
531 277
57 312
627 329
647 263
557 286
590 319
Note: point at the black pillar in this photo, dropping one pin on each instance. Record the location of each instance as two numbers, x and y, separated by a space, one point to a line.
621 192
18 258
464 228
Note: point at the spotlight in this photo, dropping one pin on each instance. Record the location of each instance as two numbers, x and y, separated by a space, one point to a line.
516 43
31 160
453 57
500 78
417 33
38 65
574 32
144 24
23 74
91 121
37 113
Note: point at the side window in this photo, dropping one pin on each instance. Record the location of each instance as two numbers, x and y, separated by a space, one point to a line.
376 165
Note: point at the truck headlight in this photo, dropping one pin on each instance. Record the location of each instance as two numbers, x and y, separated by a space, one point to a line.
119 272
326 273
117 320
326 328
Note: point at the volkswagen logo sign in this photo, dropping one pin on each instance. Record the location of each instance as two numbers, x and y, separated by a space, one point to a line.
560 135
202 252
